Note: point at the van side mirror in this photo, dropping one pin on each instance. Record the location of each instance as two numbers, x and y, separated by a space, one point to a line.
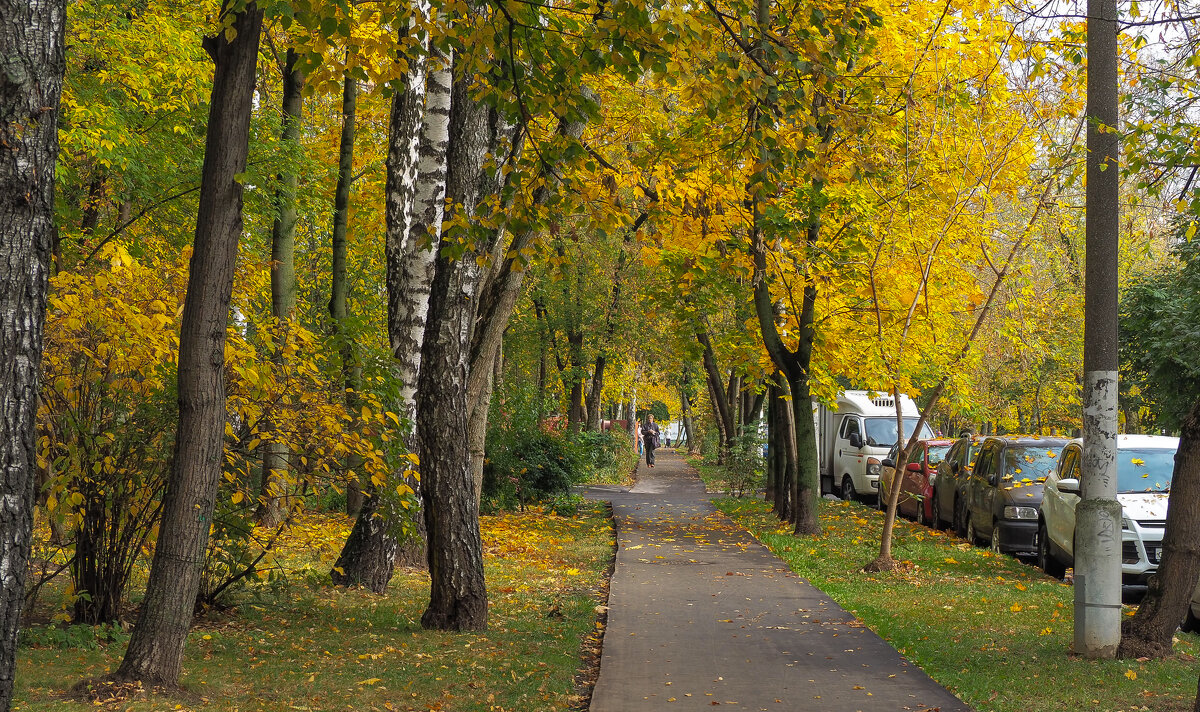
913 467
855 440
888 462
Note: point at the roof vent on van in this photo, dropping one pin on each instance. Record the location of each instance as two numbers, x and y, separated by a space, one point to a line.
884 402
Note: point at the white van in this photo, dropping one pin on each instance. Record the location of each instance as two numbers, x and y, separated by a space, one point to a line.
854 437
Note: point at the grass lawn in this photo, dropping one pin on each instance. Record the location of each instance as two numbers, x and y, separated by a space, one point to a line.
309 646
993 630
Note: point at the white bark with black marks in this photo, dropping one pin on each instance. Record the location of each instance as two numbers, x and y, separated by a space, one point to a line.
31 72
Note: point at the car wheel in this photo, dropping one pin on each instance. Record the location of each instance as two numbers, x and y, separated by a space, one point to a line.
996 542
1046 561
848 492
960 518
972 535
1190 623
937 513
921 518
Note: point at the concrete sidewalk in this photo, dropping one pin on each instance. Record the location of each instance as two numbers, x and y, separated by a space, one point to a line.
701 614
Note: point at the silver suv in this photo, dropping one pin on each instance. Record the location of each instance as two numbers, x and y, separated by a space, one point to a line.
1145 464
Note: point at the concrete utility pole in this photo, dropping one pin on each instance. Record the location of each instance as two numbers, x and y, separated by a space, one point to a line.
1098 516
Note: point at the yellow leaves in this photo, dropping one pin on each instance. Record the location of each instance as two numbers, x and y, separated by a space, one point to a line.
1131 674
1015 608
370 681
1138 462
237 497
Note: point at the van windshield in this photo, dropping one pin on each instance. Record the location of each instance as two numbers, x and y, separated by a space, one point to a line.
1145 470
881 432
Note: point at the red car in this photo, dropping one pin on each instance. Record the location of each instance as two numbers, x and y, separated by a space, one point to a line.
916 487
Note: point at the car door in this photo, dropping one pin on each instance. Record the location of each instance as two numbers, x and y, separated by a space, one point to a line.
978 487
913 484
947 480
1058 507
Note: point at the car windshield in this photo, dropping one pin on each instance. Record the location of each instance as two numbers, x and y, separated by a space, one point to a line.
881 432
937 454
1029 463
1145 470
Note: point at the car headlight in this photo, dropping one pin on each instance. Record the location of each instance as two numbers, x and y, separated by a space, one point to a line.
1020 513
873 469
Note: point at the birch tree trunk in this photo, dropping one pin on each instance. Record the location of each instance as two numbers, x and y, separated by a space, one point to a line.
31 42
458 594
416 176
155 653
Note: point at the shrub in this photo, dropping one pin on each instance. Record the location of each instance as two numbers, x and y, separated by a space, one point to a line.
745 467
529 465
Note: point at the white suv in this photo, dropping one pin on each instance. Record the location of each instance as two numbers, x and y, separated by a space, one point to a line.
1145 464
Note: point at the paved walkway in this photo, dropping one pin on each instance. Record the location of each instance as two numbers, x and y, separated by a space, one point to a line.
701 614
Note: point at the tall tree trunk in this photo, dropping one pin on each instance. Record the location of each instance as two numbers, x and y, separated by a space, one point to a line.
1151 630
339 287
723 400
458 594
272 505
416 176
477 429
31 38
155 652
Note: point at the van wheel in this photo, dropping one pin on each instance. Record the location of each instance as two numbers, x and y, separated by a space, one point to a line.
848 493
996 543
921 518
1046 561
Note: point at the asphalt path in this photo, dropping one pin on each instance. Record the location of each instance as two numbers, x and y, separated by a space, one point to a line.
702 615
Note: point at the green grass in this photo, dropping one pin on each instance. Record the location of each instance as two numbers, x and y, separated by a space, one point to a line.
309 646
993 630
712 474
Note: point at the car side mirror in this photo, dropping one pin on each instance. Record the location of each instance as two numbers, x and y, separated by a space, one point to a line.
1069 484
913 467
855 440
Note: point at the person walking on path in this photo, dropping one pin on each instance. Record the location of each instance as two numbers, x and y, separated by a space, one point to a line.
650 438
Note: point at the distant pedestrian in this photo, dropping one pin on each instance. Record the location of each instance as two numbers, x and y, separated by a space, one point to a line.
650 438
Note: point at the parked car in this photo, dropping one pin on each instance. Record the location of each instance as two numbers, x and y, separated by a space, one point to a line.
1191 622
948 485
916 486
1003 492
1145 464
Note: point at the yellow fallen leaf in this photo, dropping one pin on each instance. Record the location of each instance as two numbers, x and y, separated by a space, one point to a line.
1131 674
369 681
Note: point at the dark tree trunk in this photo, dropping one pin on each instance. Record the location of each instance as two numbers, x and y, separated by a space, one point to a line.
1149 633
722 397
155 653
31 42
771 463
339 287
272 499
369 555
